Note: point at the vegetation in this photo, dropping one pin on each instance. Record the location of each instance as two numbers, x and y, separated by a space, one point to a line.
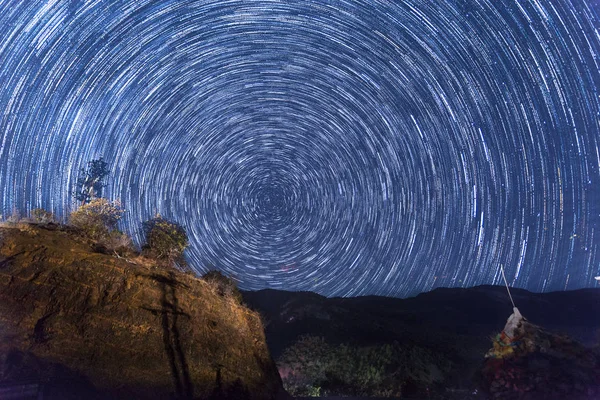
91 181
14 217
223 285
185 333
42 216
98 221
312 366
165 240
119 243
98 218
304 366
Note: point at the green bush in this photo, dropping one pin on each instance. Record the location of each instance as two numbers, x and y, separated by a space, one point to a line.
305 364
165 240
97 219
345 370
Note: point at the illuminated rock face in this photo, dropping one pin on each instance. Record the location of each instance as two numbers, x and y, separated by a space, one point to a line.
106 326
531 363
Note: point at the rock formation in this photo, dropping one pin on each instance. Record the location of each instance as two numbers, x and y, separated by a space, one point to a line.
75 322
528 363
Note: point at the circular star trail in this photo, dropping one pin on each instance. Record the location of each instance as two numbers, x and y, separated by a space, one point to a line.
343 147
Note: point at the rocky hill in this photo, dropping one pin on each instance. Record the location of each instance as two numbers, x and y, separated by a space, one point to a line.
76 323
528 363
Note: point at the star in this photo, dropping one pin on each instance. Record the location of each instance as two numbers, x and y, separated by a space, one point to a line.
377 147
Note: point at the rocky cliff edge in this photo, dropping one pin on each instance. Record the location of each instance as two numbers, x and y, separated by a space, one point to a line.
74 321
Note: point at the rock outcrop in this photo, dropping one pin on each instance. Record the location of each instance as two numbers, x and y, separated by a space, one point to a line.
528 363
75 322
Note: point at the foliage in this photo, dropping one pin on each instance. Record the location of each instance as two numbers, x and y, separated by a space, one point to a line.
224 285
165 240
119 243
304 365
15 217
362 368
42 216
345 370
91 181
314 391
98 218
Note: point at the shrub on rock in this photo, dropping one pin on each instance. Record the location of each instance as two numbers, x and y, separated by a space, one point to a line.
165 240
42 216
97 219
224 285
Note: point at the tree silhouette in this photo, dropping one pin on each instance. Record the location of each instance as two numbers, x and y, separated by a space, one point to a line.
91 181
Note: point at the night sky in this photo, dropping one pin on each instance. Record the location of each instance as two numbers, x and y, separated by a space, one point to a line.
345 147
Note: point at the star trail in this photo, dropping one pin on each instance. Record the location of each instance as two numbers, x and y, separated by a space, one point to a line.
343 147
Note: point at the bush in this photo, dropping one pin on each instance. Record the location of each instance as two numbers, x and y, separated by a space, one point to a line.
346 370
98 218
224 285
165 240
42 216
15 217
119 243
304 365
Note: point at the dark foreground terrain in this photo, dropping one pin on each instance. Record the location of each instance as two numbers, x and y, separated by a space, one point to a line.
76 322
426 346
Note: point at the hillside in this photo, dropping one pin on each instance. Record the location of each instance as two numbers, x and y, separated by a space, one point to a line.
448 330
76 323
